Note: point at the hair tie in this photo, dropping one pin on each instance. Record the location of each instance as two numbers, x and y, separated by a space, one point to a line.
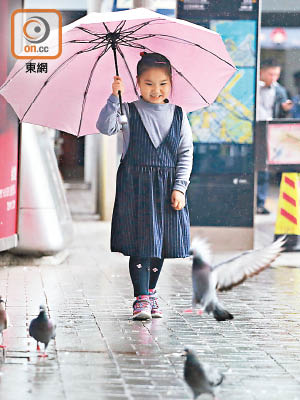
142 53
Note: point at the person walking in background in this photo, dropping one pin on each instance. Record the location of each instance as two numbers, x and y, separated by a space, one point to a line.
273 103
296 99
150 218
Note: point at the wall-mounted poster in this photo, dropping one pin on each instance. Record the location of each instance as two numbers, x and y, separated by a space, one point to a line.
230 117
283 143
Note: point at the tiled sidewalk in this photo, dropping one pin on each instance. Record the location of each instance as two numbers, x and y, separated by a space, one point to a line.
100 353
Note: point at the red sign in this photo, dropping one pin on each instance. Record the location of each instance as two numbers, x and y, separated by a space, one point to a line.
8 137
278 35
8 182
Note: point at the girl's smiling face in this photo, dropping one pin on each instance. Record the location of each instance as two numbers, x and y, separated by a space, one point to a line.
155 85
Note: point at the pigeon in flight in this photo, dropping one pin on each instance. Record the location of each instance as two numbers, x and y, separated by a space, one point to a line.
42 329
201 378
207 279
3 320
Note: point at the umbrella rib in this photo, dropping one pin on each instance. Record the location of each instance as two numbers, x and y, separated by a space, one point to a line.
88 31
105 26
135 46
103 41
88 85
29 61
130 31
120 26
137 27
83 41
5 83
163 36
170 40
182 76
152 22
129 40
47 81
127 67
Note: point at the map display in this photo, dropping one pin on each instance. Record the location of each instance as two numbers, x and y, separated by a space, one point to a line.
230 117
239 39
283 141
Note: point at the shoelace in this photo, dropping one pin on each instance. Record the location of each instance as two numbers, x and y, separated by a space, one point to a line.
154 303
140 305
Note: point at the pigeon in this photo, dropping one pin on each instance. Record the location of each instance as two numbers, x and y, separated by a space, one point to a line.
42 329
3 320
207 279
201 378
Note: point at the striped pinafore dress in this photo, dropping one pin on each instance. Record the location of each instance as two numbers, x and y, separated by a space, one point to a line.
144 223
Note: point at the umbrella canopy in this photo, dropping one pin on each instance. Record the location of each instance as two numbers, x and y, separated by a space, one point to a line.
70 96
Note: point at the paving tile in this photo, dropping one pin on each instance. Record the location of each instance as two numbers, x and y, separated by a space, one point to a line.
100 353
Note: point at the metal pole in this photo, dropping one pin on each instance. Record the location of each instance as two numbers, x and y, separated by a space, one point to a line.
93 147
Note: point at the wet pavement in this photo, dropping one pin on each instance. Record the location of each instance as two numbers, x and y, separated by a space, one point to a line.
100 353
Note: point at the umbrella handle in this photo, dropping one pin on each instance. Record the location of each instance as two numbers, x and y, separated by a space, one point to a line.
123 118
120 100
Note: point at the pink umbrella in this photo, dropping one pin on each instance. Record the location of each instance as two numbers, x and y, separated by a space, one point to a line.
70 96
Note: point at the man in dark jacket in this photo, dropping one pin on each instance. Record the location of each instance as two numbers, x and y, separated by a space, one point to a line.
273 103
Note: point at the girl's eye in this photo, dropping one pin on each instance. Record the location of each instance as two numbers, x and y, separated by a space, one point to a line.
148 84
162 84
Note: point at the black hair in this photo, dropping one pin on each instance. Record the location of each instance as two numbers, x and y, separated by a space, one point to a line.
153 60
269 63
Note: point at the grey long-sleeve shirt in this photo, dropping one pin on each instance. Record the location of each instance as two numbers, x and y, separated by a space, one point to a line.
157 119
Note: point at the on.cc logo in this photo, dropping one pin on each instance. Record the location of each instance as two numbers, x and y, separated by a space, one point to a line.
36 30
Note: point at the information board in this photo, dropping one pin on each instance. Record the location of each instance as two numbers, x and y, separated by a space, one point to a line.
223 133
207 9
230 118
166 7
283 143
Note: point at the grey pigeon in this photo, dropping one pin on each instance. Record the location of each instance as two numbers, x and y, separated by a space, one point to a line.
201 378
3 320
42 329
207 279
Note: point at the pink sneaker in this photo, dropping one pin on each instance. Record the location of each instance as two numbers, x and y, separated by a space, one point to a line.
142 308
155 311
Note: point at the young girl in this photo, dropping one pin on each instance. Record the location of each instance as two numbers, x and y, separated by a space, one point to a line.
150 219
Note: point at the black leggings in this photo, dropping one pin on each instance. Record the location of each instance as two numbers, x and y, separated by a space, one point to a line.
144 273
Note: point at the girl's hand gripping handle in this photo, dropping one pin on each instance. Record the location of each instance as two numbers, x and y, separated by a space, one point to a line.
118 88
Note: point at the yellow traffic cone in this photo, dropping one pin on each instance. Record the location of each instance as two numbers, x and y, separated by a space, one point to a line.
288 217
